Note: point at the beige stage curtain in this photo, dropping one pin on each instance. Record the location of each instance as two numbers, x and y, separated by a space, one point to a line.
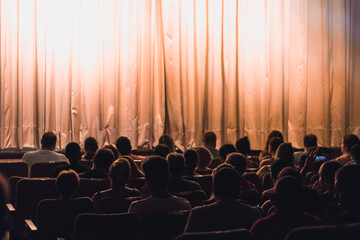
140 68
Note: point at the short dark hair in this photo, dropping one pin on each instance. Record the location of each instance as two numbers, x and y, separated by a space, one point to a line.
350 140
156 171
91 144
67 182
48 139
310 141
278 165
226 183
285 151
288 194
209 138
161 150
191 159
205 156
226 149
120 172
355 152
243 145
328 170
238 161
176 163
123 145
104 158
73 152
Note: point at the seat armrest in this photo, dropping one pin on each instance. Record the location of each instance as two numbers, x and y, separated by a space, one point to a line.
10 207
30 225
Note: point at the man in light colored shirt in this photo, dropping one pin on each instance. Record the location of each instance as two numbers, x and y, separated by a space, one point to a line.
156 171
46 153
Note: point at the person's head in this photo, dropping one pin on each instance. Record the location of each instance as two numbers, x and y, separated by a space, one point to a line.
274 133
238 161
243 145
103 159
327 174
274 145
120 173
113 150
355 153
161 150
48 141
285 151
67 182
226 183
90 147
123 145
276 167
225 150
176 164
290 171
288 195
205 157
156 171
349 140
73 152
347 187
191 159
168 141
310 140
210 139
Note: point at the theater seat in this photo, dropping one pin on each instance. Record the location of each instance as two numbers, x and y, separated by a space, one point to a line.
194 197
113 205
205 182
236 234
89 186
14 168
106 226
45 169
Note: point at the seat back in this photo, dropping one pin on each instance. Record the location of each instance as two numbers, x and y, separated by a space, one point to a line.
56 217
329 232
14 168
106 226
89 186
163 226
205 182
235 234
45 169
250 197
12 188
194 197
253 178
29 192
114 205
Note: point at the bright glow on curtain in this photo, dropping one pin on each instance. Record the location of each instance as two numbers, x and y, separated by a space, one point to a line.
139 68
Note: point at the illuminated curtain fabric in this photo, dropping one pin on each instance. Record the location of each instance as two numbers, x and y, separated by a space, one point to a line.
140 68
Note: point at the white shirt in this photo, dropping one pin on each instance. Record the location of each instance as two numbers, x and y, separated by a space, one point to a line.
43 156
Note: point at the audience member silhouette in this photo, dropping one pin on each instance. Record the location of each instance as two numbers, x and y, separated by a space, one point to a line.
347 192
161 150
73 153
243 146
102 162
226 212
265 153
348 141
191 159
123 145
169 141
205 158
119 173
67 182
46 153
285 151
210 143
177 168
135 170
156 171
225 150
239 162
273 146
289 213
90 147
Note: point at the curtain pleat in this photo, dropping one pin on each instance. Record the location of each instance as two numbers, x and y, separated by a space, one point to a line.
183 67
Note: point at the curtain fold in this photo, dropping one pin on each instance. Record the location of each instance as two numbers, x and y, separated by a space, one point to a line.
143 68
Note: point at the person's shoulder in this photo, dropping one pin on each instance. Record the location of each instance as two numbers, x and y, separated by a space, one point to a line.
181 201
